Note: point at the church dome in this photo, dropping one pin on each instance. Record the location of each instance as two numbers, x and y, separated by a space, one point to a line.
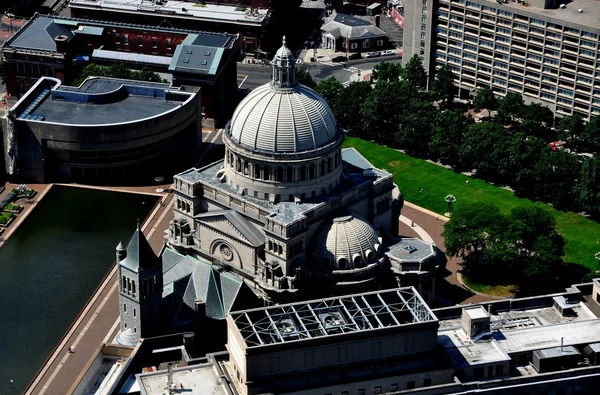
346 242
283 116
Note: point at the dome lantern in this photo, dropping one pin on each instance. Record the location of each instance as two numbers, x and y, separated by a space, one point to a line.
284 68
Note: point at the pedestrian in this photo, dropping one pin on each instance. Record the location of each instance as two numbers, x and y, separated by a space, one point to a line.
71 350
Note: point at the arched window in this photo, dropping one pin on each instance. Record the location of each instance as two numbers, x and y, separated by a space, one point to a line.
124 287
290 174
238 165
246 172
329 169
178 203
342 263
266 173
357 261
133 287
279 175
280 249
322 168
311 171
270 245
256 171
303 173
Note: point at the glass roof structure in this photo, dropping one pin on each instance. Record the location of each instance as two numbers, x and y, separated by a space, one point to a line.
332 316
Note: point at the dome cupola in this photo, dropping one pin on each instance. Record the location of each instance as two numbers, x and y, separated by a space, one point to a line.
284 68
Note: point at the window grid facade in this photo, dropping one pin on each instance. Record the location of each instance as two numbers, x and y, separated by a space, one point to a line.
487 46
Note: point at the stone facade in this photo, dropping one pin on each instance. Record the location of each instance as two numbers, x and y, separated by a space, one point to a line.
287 209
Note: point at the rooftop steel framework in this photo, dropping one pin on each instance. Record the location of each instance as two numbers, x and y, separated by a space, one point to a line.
325 317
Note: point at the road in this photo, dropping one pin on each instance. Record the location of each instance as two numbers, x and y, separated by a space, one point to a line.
251 76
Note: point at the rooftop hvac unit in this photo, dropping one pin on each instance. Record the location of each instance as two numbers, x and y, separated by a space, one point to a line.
332 319
286 327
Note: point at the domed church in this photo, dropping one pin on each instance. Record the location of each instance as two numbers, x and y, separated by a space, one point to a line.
288 211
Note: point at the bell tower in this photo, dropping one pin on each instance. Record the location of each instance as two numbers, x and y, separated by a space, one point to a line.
140 284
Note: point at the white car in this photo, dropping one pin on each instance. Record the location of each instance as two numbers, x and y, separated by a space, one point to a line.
388 52
372 54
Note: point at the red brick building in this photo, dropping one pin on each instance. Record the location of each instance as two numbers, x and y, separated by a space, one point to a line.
56 47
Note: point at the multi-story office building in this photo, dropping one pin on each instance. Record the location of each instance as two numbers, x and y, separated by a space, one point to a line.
545 50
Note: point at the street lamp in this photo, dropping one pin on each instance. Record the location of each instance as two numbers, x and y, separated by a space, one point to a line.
159 181
450 199
10 18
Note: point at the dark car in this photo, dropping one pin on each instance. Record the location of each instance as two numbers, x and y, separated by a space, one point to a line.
339 59
355 56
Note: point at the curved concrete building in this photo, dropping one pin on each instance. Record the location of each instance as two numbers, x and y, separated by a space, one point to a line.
104 131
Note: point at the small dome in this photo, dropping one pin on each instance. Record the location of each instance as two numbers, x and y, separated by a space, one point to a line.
345 242
120 247
127 338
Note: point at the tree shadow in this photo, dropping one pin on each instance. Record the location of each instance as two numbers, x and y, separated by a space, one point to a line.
447 294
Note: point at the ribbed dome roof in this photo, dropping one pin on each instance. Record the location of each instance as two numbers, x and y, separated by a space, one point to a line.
283 116
349 237
277 120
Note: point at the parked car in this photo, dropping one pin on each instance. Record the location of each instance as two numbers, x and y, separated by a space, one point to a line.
373 54
355 56
388 52
339 59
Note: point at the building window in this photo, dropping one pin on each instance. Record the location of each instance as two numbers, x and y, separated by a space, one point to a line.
169 43
124 308
125 39
140 41
154 42
134 312
361 391
365 44
345 44
353 45
410 385
394 387
378 389
379 43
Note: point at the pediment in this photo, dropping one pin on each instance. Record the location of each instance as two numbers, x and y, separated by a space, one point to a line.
233 224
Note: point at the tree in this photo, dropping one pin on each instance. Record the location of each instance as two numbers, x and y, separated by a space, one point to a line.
303 77
330 89
510 108
442 87
587 189
349 102
448 131
591 135
485 99
536 246
382 110
523 152
450 200
472 229
536 120
552 178
118 70
571 129
481 145
415 74
387 71
415 127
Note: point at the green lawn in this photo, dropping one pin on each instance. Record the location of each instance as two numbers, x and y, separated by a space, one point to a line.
582 235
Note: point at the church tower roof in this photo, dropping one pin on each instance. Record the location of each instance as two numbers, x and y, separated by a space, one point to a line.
139 253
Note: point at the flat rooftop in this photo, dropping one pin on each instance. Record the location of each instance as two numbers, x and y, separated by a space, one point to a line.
519 331
98 101
240 15
590 17
331 317
192 380
39 33
287 212
411 250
